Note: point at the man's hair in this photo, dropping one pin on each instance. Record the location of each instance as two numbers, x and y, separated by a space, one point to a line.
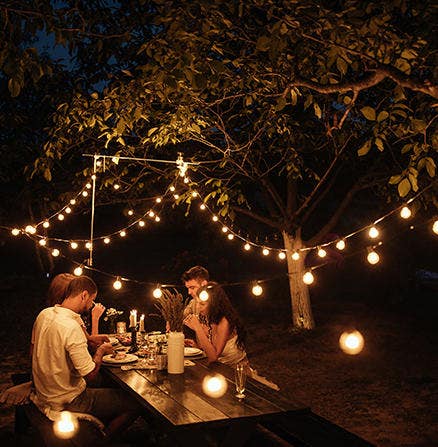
79 284
196 272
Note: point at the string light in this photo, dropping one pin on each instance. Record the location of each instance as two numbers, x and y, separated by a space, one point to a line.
322 253
55 252
340 245
116 186
351 342
247 247
60 216
282 255
78 271
30 229
42 242
88 185
84 193
151 213
46 224
373 232
214 385
202 206
72 201
224 229
157 293
172 188
106 240
157 218
295 256
265 252
117 284
122 233
130 212
308 278
215 218
230 236
372 257
68 210
141 223
176 196
257 289
435 227
158 200
74 245
88 245
15 232
405 212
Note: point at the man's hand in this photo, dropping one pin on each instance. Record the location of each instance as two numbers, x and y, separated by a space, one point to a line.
94 341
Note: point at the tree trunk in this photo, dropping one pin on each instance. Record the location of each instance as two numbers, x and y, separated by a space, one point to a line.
302 317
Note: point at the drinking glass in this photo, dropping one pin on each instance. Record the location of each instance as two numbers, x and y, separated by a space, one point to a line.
240 376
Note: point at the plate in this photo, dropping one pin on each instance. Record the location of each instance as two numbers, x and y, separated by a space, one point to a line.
190 352
128 359
113 340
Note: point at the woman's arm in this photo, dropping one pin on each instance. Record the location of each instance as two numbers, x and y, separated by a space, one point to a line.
96 313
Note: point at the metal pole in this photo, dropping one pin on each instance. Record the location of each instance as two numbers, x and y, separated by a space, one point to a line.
90 259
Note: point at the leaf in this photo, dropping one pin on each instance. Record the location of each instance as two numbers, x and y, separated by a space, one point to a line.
409 54
281 104
341 65
379 144
95 95
404 187
382 116
151 131
369 113
395 179
317 110
14 87
364 149
47 174
430 167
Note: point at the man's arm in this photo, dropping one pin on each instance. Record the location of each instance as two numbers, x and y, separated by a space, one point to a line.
105 348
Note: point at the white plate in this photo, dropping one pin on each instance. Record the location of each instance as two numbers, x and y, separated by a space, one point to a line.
190 352
113 340
128 359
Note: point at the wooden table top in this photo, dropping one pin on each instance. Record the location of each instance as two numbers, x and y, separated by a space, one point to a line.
180 400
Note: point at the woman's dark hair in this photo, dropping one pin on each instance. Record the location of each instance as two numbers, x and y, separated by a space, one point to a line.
219 306
58 288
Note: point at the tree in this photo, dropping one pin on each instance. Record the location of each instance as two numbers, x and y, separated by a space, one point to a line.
289 106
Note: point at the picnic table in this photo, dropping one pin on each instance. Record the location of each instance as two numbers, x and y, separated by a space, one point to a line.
178 402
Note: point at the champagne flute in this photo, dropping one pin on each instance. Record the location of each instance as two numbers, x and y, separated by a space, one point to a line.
240 376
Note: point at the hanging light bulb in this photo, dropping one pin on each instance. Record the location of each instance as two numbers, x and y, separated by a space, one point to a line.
247 247
405 213
78 271
203 295
230 236
84 193
88 185
215 218
141 223
295 256
224 229
30 229
55 252
99 163
340 245
122 233
372 257
115 160
186 180
435 227
68 210
106 240
373 232
74 245
157 293
265 252
60 216
65 426
257 289
157 218
194 194
46 224
116 186
172 188
93 177
176 196
158 199
351 342
15 232
282 255
321 252
117 284
202 206
130 212
88 245
72 201
308 278
215 385
42 242
151 213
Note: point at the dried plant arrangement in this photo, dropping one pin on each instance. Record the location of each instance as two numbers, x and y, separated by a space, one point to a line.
171 305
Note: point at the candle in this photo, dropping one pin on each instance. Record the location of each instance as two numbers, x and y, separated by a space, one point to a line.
142 323
133 318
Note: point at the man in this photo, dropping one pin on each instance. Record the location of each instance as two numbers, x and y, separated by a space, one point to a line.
194 278
62 365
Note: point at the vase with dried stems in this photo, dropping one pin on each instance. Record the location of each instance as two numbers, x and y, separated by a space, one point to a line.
171 305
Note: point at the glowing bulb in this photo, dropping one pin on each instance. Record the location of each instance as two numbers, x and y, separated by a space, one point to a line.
265 252
157 218
247 246
186 180
373 257
60 216
46 224
85 193
151 213
116 186
141 223
42 242
115 160
194 194
230 236
68 210
107 240
93 177
176 196
295 256
66 426
351 342
99 163
157 293
322 253
88 185
202 206
122 233
74 245
257 290
158 200
405 212
224 229
373 233
308 278
72 201
172 188
117 284
30 229
203 295
435 227
78 271
15 232
215 218
130 212
282 255
55 252
340 245
214 386
88 245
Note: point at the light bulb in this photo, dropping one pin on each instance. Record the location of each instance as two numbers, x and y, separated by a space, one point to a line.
257 290
158 200
230 236
265 252
130 212
72 201
373 232
202 206
247 246
203 295
78 271
186 180
15 232
405 213
194 194
151 213
42 242
68 210
74 245
172 188
106 240
122 233
176 196
60 216
116 186
55 252
373 257
340 245
157 293
157 218
88 245
435 227
295 256
215 218
351 342
88 185
117 284
84 193
282 255
308 278
46 224
214 386
30 229
322 253
93 177
224 229
141 223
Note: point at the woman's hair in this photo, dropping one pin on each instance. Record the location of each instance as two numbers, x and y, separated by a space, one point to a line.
58 288
219 306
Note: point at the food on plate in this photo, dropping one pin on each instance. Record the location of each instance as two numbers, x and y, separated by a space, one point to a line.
119 355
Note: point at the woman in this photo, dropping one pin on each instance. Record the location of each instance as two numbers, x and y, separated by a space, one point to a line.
219 330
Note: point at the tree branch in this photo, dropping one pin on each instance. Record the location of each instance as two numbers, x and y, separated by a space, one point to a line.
265 220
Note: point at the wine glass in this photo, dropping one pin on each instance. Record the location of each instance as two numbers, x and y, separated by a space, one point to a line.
240 376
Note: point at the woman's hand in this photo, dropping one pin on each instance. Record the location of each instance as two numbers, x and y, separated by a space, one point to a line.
190 342
192 321
97 310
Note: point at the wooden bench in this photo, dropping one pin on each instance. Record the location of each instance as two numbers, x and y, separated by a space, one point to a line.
311 430
30 422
